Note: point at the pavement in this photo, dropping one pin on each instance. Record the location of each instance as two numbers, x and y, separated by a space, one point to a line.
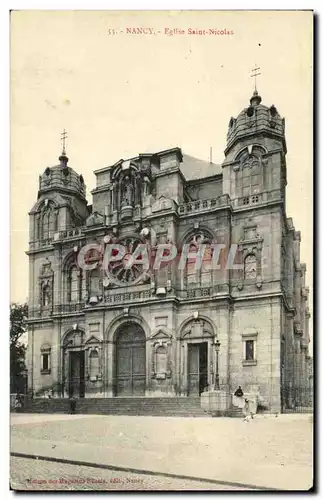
39 475
173 453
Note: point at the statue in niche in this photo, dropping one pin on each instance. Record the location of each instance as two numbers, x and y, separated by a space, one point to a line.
146 186
127 192
137 192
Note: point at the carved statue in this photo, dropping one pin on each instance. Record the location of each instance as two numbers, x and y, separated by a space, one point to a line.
146 186
127 192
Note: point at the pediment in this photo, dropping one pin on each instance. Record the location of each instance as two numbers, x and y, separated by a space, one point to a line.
197 329
93 340
161 333
74 339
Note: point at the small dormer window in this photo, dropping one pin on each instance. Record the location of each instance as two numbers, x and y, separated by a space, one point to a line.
250 111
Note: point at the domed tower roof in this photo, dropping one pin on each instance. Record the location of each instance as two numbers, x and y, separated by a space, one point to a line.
256 119
63 179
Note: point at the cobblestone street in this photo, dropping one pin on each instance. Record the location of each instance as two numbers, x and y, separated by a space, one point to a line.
265 453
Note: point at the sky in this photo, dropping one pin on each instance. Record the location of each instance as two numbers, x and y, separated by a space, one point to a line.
120 94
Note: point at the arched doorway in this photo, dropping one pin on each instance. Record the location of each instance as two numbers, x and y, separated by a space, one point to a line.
130 366
197 356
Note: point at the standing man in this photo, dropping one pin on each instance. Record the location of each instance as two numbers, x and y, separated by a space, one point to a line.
72 405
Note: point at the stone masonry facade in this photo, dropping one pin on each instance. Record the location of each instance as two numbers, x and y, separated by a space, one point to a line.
172 332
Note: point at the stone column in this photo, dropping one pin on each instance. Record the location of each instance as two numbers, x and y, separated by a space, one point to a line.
297 370
109 369
177 365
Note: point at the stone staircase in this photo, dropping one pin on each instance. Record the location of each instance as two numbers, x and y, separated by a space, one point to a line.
164 407
235 412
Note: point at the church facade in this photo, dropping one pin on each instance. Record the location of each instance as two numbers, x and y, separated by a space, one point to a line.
112 330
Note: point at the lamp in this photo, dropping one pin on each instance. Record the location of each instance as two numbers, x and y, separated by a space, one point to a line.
217 348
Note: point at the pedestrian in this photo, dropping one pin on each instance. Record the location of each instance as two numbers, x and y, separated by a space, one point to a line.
237 399
239 392
247 411
72 405
18 402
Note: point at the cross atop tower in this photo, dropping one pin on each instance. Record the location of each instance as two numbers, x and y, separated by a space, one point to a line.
63 141
254 73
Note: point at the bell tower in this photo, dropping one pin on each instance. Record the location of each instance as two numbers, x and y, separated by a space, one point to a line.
255 151
61 207
61 203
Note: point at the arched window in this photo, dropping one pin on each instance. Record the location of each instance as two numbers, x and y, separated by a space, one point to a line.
48 222
45 224
94 364
73 284
191 271
251 177
250 266
94 282
206 270
199 274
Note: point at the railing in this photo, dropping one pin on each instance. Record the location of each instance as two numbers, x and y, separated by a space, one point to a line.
69 308
203 205
205 292
199 292
69 233
258 198
57 236
297 399
36 245
118 298
124 298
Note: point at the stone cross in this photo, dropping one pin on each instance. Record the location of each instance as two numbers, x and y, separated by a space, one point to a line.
254 74
63 140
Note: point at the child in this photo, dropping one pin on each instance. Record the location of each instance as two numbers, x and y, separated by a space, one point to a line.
247 412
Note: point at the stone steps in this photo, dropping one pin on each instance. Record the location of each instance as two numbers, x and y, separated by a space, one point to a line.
236 412
184 407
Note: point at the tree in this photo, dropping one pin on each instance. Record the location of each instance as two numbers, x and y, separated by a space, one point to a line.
18 326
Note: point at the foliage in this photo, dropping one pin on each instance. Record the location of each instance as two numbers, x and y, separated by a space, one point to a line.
18 326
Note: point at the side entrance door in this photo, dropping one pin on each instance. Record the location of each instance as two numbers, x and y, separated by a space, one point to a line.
76 374
197 368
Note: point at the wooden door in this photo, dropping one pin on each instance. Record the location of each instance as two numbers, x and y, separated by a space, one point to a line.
76 374
193 369
131 362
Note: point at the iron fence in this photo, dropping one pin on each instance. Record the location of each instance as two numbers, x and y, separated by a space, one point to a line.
297 399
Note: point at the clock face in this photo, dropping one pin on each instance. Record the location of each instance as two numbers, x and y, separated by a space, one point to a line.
122 271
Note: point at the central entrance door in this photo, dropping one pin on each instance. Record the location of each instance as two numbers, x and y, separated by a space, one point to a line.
197 368
76 374
131 361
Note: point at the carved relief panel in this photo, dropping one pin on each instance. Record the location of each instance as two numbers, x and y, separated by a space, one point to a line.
161 367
